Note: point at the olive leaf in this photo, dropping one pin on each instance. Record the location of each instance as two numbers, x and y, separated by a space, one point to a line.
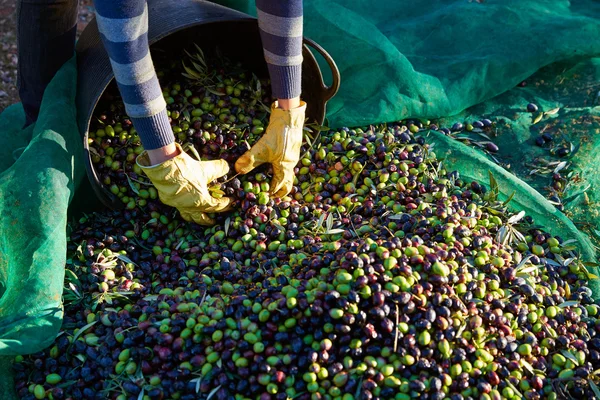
278 226
510 385
126 259
516 218
200 55
64 385
131 185
494 188
397 331
320 221
216 92
213 392
226 227
527 366
480 133
568 261
569 303
509 199
594 388
523 262
93 151
551 262
588 273
529 269
197 381
83 329
561 165
549 331
570 357
186 115
357 394
141 395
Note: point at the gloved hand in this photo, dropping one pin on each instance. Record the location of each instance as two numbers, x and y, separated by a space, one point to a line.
182 182
279 146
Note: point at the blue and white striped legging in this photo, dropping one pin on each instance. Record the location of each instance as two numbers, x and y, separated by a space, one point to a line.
123 25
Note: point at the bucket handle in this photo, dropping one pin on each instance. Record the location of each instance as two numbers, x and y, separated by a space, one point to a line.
328 91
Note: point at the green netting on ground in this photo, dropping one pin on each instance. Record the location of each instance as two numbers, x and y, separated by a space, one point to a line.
567 95
41 167
436 58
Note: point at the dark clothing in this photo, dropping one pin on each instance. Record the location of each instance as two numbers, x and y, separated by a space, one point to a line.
46 32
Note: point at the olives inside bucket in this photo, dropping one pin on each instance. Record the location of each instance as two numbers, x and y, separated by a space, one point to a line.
215 29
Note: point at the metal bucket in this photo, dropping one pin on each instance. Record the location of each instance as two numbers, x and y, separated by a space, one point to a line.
173 26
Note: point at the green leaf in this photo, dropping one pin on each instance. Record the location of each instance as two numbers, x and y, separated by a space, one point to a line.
494 189
527 366
278 226
131 185
227 223
570 357
516 218
66 384
320 221
186 115
199 68
591 264
213 392
357 394
530 269
126 259
510 385
588 273
71 276
216 92
509 199
569 303
329 223
594 388
197 381
83 329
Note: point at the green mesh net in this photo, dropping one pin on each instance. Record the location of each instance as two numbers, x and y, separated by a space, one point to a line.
41 167
436 58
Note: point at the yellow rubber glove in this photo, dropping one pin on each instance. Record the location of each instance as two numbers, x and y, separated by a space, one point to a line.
279 146
182 182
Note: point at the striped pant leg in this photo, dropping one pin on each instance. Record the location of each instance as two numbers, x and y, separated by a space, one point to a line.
123 26
280 24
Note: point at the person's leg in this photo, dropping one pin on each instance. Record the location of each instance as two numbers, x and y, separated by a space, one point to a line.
280 24
123 25
46 32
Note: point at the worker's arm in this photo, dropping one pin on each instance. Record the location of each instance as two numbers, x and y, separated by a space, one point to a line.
180 180
280 24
